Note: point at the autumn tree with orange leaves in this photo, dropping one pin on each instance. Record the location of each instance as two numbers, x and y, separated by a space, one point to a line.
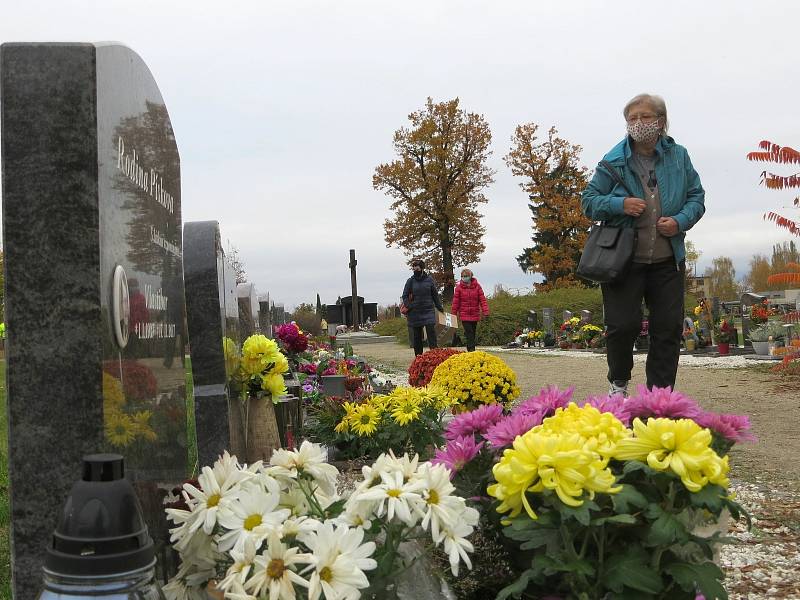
436 185
553 181
773 153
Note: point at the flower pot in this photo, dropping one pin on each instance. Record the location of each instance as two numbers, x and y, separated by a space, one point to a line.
253 428
761 348
690 344
724 347
289 417
333 385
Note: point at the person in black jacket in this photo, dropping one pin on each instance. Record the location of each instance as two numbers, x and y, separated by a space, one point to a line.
420 298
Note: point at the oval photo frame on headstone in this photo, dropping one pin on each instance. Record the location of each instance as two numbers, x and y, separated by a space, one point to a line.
121 304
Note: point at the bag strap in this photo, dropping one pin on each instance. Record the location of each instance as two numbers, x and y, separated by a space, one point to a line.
616 177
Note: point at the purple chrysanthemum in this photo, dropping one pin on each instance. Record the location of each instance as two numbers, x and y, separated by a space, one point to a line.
505 431
662 402
616 405
457 453
476 421
734 428
546 401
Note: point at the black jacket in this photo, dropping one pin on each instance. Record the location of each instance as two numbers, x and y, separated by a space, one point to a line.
425 298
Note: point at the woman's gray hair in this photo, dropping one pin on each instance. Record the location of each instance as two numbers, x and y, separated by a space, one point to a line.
656 103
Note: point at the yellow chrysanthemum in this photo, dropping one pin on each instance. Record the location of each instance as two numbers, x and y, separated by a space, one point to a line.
113 394
119 428
232 357
258 352
274 384
475 378
365 421
141 425
343 426
681 446
407 411
600 430
541 460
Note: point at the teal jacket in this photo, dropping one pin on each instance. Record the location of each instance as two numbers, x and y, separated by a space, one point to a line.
682 195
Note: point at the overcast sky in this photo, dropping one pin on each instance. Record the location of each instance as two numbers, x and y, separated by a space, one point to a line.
282 111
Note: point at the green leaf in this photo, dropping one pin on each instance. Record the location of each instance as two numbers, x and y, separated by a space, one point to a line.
628 496
709 497
637 465
561 563
707 576
538 537
665 530
582 513
624 519
630 569
516 588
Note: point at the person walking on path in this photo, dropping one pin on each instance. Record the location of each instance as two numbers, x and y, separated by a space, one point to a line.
469 303
420 298
669 201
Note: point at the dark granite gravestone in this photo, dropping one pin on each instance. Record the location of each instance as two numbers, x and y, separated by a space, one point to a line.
586 316
94 282
566 316
213 326
248 309
548 323
265 316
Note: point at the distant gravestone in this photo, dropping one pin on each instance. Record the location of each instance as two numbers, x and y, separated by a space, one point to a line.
248 309
566 316
265 317
586 316
548 318
94 282
213 324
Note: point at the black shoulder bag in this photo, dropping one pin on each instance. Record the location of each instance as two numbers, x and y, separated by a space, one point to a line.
609 250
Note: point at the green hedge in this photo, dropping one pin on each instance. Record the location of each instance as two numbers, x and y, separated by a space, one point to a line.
509 313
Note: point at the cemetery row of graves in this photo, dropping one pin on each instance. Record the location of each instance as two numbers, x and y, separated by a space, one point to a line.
463 488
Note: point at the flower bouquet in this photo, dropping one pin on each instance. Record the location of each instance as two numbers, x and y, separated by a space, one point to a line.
724 331
280 530
606 498
422 367
407 419
760 313
471 379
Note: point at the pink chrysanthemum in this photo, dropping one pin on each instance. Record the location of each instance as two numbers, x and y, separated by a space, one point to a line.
734 428
662 402
546 401
457 453
475 421
616 405
505 431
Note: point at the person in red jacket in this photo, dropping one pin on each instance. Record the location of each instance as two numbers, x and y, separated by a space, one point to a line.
469 303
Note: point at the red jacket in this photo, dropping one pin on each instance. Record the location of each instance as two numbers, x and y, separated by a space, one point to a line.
469 301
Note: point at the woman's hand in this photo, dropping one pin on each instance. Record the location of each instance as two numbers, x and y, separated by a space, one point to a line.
667 226
633 207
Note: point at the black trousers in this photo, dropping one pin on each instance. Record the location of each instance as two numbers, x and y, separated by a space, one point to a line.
660 285
469 330
430 332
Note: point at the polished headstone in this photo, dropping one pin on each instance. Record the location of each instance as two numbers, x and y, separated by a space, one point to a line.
94 286
248 309
208 288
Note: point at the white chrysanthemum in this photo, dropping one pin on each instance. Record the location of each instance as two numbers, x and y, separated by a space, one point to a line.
298 528
253 514
439 507
184 519
198 549
357 514
295 500
456 545
237 592
213 493
274 571
188 583
338 562
237 573
308 460
395 497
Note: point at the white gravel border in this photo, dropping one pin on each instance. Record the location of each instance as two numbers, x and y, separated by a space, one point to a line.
686 360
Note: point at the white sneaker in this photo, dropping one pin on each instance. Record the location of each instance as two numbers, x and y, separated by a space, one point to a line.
618 387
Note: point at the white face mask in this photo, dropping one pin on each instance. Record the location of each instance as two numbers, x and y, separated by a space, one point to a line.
644 133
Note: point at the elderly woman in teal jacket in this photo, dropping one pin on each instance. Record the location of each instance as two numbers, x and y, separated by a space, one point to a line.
669 200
